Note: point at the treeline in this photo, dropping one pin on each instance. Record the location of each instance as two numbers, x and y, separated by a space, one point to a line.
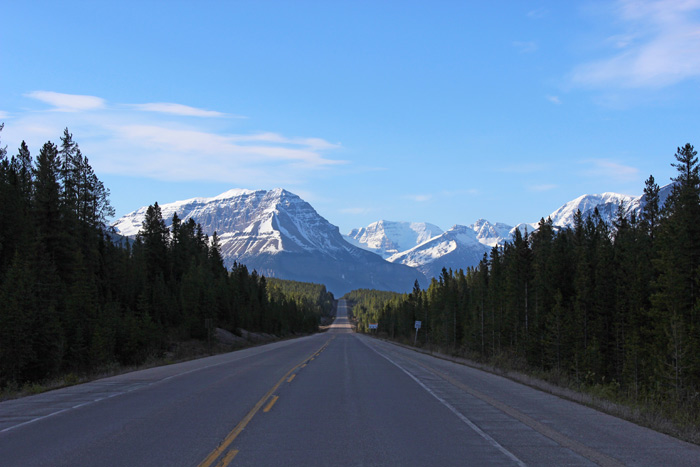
75 297
367 305
608 305
309 296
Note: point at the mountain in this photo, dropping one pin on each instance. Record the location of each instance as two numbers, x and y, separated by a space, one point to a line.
607 204
280 235
386 238
492 234
457 248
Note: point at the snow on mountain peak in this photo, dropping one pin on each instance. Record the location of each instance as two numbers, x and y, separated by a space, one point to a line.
255 221
387 238
607 204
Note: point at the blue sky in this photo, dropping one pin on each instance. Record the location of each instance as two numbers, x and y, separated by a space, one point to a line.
440 111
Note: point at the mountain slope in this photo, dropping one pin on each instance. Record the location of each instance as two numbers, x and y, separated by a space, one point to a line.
457 248
280 235
386 238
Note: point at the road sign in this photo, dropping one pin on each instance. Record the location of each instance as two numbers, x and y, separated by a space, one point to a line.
418 323
373 325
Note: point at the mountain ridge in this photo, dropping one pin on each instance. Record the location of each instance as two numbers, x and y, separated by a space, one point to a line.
280 235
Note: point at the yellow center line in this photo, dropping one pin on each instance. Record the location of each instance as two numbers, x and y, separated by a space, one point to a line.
227 458
242 424
291 378
303 365
270 404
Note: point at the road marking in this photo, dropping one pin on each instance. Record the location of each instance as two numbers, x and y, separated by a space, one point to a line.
146 384
270 404
249 416
291 378
579 448
227 458
303 365
454 410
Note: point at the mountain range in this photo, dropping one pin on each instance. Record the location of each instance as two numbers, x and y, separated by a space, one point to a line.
280 235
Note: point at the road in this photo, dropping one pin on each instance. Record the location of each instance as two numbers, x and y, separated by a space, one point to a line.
335 398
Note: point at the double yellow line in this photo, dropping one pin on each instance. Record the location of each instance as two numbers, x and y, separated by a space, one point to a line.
214 455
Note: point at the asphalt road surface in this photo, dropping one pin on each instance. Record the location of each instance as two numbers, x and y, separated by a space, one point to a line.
335 398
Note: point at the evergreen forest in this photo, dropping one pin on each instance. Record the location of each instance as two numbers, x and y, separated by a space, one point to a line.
75 297
609 306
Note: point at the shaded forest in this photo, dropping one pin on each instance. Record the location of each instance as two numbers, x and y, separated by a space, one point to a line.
608 306
75 297
306 295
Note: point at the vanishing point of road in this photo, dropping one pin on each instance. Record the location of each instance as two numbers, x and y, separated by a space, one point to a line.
330 399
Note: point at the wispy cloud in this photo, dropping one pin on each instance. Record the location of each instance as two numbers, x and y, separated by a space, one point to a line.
419 198
4 114
68 102
455 193
660 46
554 100
201 143
177 109
544 187
526 47
537 13
610 169
164 143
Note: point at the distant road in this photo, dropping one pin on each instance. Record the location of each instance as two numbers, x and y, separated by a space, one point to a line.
335 398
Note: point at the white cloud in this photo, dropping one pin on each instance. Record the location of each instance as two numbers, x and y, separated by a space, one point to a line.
660 48
4 114
526 47
202 143
313 143
121 139
68 102
177 109
537 13
554 100
611 170
419 198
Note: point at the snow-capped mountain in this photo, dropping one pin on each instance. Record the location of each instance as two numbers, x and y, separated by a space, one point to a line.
457 248
386 238
492 234
607 204
280 235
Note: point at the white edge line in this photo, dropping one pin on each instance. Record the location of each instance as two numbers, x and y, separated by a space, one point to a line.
9 428
461 416
35 419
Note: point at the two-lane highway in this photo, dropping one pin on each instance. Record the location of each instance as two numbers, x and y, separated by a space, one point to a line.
335 398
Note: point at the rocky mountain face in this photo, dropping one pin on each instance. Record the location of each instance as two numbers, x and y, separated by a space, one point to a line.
280 235
387 238
457 248
462 247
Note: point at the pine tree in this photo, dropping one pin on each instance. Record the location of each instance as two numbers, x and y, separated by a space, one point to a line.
47 207
155 237
676 297
651 211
